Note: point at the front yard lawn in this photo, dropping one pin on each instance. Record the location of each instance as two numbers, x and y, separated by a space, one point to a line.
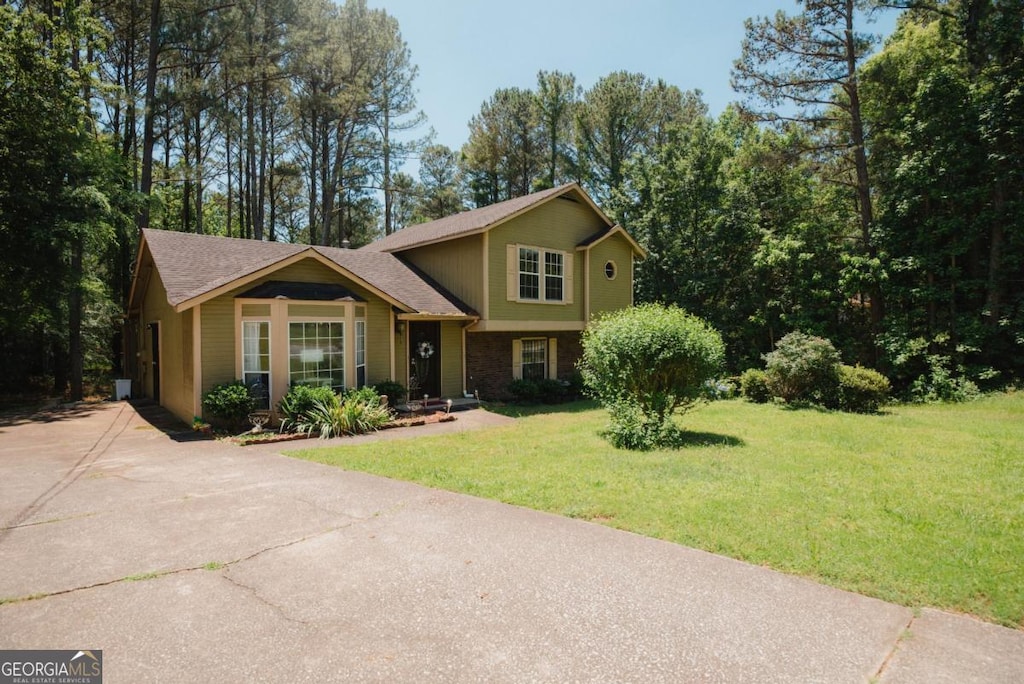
922 506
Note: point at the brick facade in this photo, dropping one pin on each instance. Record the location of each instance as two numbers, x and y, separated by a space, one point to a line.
489 359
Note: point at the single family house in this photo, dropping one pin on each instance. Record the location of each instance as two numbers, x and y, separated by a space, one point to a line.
464 304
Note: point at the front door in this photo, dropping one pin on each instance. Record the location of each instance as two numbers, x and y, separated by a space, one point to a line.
425 359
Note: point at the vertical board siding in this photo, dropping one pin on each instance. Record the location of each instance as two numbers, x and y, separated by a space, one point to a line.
451 359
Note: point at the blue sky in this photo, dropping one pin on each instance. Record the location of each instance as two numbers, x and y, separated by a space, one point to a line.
466 49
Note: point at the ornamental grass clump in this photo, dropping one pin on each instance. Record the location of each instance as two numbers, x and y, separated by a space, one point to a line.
354 413
295 407
645 364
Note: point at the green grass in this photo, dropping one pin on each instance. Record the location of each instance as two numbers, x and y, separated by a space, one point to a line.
922 506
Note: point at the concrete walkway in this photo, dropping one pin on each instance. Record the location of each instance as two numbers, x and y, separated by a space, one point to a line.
194 561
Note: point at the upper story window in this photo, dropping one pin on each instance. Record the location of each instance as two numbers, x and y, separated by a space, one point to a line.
529 273
553 276
540 275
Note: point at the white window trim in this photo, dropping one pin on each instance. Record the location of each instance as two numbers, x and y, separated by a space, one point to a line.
279 320
270 353
313 319
360 322
514 275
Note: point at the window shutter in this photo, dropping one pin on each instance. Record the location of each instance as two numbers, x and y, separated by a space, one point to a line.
568 285
553 358
512 272
517 359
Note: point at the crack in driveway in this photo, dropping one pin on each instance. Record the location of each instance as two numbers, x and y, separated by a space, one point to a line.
904 634
175 571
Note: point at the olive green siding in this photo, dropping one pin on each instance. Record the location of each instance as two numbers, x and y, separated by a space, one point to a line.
378 341
255 310
221 340
559 224
217 322
457 265
451 359
175 378
611 295
327 309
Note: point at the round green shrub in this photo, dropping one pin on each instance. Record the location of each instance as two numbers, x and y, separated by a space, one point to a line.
545 391
394 391
802 368
754 386
231 402
644 364
861 390
524 391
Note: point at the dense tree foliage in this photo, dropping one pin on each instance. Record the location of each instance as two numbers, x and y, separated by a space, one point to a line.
867 193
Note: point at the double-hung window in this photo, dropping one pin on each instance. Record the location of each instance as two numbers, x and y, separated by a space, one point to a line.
529 273
539 275
360 352
553 276
256 360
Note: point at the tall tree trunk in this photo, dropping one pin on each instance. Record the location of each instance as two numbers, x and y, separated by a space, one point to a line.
993 294
388 191
75 302
860 160
146 182
252 181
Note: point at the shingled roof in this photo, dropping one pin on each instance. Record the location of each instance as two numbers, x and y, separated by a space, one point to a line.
192 266
473 221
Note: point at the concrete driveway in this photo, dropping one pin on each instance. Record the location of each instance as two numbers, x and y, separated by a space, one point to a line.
194 561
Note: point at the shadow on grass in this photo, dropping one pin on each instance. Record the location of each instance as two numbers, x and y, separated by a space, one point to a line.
523 410
817 408
702 439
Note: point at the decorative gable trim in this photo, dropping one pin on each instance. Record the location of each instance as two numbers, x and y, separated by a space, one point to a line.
617 229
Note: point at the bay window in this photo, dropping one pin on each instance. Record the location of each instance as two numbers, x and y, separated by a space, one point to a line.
316 353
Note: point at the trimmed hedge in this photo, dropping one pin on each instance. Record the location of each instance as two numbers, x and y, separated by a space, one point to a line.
861 390
754 386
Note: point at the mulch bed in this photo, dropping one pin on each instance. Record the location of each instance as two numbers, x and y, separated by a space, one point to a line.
269 437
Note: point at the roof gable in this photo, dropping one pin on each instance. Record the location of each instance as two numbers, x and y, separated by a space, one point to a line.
195 268
477 220
600 237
